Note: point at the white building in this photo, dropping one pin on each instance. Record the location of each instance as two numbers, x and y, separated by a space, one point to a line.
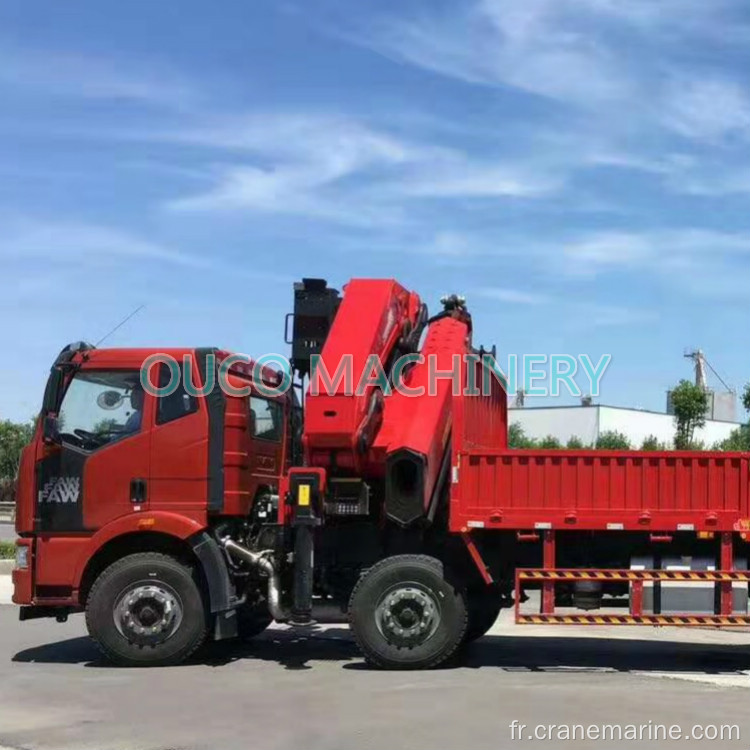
588 422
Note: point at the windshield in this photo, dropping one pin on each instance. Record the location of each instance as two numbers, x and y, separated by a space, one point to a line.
101 406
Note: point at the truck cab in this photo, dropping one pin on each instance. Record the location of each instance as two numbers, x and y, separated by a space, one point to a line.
114 467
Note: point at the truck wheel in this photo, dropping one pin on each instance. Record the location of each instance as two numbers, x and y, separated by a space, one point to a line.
146 610
404 614
484 606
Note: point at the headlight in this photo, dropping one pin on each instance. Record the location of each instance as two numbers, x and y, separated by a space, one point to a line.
22 557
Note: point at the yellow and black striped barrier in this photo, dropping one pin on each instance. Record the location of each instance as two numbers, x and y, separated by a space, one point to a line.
718 620
633 575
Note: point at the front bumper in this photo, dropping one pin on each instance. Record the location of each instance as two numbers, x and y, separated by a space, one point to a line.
36 612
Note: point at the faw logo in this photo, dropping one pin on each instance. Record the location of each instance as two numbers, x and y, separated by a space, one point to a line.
61 490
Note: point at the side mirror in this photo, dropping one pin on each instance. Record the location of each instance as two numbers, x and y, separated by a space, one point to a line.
50 430
109 400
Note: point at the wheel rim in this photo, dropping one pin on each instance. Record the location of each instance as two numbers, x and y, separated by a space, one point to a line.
148 613
407 615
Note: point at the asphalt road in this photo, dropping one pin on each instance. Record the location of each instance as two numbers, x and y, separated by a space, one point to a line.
287 691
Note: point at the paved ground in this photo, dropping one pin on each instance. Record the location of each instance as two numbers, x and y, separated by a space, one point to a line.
309 692
7 531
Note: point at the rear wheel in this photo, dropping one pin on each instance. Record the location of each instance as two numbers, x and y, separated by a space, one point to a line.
405 614
484 606
146 610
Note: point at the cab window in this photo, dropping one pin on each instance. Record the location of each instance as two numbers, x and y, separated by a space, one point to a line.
177 404
101 406
266 419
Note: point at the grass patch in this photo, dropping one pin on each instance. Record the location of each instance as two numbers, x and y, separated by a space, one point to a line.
7 550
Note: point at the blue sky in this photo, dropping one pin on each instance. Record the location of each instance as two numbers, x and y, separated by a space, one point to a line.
578 168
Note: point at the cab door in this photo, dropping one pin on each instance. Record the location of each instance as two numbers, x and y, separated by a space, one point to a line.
99 470
179 450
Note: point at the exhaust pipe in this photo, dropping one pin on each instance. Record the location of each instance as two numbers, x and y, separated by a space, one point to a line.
263 561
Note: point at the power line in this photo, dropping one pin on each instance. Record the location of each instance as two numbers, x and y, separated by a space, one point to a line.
720 379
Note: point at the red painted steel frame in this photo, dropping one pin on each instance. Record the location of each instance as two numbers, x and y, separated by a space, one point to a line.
727 563
549 555
477 558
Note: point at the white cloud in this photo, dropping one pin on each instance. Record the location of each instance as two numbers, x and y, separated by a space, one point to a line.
82 76
72 242
411 180
606 250
706 109
711 180
512 296
464 179
297 158
604 316
663 245
663 17
77 246
341 169
692 261
596 56
527 44
700 261
568 312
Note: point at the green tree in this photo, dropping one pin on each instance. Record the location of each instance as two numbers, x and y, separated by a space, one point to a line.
550 441
738 440
690 403
651 443
105 426
517 438
611 440
746 397
575 443
13 438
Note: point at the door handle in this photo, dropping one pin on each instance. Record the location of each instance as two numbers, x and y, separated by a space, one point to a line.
137 490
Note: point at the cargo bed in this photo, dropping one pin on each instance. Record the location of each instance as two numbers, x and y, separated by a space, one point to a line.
602 490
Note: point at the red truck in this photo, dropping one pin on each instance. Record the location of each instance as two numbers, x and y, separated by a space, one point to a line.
208 513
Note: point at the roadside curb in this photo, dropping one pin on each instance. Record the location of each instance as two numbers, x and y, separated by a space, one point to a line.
6 566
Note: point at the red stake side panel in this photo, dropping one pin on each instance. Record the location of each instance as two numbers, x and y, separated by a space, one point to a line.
600 490
495 487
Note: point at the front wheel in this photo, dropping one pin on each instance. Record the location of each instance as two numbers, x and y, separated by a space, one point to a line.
405 614
146 610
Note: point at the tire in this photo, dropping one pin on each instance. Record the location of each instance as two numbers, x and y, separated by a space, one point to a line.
146 610
484 606
252 619
405 614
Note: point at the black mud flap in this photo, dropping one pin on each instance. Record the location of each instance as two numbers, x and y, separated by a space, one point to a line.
222 600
